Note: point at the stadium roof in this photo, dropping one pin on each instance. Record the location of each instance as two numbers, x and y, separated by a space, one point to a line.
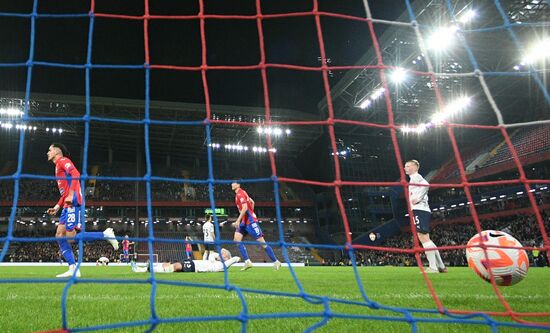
414 101
178 141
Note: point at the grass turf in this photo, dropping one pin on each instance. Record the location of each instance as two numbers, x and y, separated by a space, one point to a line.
32 307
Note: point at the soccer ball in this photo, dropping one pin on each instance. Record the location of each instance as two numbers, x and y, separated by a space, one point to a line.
509 266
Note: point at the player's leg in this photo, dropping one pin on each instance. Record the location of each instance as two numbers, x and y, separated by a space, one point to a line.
238 237
66 228
423 232
255 231
423 219
269 251
73 223
64 246
428 244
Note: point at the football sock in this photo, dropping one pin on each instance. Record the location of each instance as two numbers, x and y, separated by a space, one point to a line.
438 260
430 254
66 250
244 253
270 253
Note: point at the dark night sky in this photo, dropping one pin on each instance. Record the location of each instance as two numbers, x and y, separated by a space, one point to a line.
177 42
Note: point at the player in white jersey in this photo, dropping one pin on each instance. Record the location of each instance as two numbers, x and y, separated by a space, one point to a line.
214 264
418 197
209 236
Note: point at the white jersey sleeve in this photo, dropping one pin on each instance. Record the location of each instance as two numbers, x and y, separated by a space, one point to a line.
206 266
163 268
214 256
419 193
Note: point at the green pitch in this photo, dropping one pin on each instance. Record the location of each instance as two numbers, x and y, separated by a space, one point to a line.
33 307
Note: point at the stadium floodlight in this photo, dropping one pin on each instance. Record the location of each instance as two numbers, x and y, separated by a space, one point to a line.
467 16
538 51
452 108
377 93
11 112
442 38
60 130
365 104
288 131
418 129
277 131
458 105
398 75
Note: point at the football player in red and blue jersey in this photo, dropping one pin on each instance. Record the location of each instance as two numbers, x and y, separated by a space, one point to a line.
247 223
125 249
70 200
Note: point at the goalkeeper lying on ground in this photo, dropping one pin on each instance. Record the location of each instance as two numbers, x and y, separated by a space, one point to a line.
214 264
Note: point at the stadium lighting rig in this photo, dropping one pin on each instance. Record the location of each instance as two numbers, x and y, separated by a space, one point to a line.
273 130
442 38
537 52
453 108
11 112
9 125
54 130
367 102
467 16
418 129
242 148
399 75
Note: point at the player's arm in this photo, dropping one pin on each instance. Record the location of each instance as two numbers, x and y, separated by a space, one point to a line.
55 209
252 203
218 266
231 261
214 256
